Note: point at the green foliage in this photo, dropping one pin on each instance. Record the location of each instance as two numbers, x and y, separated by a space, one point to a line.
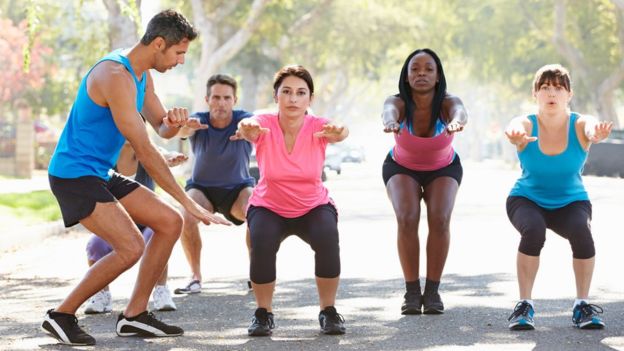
130 10
37 206
32 14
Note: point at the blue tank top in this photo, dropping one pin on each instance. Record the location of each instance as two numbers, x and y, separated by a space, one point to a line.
90 142
220 162
552 181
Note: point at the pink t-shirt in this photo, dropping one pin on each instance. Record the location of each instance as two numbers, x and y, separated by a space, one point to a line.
290 184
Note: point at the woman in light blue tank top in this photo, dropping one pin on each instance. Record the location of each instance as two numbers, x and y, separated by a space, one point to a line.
552 148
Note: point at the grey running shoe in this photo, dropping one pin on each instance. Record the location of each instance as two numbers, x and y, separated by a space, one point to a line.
262 323
522 317
193 287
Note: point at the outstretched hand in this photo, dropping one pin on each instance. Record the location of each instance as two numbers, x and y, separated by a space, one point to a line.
454 127
392 127
250 131
601 132
329 131
195 124
174 158
519 137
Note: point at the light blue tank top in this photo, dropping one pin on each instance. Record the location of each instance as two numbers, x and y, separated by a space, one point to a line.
552 181
90 142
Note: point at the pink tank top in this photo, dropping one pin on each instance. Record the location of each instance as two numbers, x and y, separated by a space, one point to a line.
423 154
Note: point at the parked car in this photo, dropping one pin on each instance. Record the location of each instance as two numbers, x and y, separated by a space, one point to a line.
353 154
333 158
607 158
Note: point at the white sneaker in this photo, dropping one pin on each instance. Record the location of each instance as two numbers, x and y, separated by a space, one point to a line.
101 302
162 300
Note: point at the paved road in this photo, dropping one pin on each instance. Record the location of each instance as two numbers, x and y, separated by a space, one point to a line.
478 288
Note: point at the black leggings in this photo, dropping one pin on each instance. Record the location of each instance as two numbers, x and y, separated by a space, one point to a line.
267 229
571 222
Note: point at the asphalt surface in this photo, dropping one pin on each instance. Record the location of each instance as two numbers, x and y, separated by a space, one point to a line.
479 288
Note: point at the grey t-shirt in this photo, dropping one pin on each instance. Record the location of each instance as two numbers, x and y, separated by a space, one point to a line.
220 162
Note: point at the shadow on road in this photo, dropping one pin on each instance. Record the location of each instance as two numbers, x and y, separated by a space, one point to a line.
218 317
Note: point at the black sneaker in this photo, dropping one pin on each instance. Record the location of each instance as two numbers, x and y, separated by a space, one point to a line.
331 321
432 303
262 323
64 327
412 303
145 324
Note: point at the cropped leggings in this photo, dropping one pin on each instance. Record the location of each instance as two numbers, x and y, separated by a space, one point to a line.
571 222
318 228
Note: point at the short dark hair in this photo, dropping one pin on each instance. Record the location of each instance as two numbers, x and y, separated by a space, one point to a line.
405 90
169 25
293 70
554 74
220 79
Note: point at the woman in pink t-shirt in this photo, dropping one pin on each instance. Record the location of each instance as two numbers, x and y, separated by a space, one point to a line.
290 197
423 166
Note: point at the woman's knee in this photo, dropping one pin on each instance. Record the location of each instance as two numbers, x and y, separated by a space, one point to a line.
407 222
582 244
439 223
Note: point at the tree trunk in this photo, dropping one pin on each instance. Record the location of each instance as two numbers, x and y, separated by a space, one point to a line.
122 31
603 91
249 87
213 53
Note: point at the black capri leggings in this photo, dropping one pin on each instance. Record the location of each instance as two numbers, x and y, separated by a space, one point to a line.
318 228
571 222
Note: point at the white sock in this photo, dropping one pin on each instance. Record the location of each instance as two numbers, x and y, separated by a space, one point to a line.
530 303
578 302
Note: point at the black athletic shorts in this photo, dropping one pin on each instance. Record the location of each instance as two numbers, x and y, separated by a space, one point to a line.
77 196
221 199
453 170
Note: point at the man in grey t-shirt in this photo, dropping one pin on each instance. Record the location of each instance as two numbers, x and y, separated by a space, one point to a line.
220 181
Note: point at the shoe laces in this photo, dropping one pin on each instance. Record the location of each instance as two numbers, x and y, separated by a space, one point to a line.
155 321
588 309
73 325
333 315
262 317
522 309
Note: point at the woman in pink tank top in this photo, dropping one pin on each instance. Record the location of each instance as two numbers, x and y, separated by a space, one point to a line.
423 166
290 198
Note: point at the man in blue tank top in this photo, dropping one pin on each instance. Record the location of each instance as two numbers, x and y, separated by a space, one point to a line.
225 189
105 114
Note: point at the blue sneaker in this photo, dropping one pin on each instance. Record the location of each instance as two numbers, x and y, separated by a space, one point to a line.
585 316
522 317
